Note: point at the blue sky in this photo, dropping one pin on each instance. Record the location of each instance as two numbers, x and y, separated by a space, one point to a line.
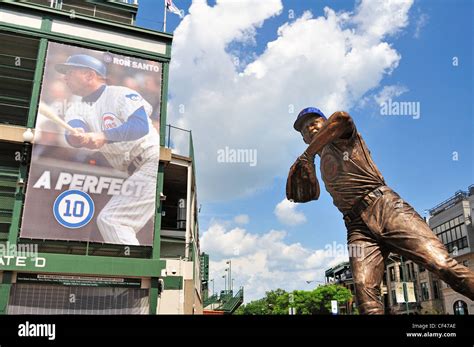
414 155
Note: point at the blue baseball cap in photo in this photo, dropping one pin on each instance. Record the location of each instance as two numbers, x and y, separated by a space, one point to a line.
304 114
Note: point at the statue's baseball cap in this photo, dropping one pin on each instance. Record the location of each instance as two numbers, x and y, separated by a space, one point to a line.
305 114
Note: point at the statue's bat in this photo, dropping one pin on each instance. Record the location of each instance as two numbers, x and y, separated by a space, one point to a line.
48 112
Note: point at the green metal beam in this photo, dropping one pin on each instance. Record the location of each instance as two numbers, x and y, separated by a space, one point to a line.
94 265
40 59
50 14
5 287
157 238
173 282
164 104
4 297
153 295
17 208
74 40
61 14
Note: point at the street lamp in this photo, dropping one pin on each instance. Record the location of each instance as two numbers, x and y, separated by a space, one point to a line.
225 283
229 262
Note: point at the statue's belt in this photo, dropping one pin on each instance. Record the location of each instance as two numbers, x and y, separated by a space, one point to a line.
364 202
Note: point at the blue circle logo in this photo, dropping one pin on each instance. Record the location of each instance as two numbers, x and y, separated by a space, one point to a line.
73 209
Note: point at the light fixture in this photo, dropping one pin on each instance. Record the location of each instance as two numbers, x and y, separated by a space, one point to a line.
28 136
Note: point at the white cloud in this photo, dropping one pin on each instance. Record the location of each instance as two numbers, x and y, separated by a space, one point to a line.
378 18
286 213
329 61
265 262
420 23
389 92
242 219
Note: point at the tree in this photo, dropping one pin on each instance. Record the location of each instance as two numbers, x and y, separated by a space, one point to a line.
323 295
275 302
317 301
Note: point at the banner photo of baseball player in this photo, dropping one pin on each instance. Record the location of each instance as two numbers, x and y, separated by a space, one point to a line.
96 150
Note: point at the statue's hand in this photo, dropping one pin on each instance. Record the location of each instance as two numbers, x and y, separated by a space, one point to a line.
302 183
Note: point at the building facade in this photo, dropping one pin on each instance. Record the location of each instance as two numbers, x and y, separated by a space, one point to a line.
58 255
410 289
342 274
451 221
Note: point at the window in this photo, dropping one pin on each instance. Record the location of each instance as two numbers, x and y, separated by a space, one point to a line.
436 294
448 236
392 273
408 273
394 297
400 271
17 68
460 308
421 268
443 238
425 294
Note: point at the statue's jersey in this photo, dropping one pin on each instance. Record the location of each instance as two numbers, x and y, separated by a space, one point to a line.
348 171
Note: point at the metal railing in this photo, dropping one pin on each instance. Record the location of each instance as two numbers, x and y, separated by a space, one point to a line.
91 10
211 300
179 140
234 302
172 217
458 196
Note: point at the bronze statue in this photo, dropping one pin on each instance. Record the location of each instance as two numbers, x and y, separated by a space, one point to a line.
378 221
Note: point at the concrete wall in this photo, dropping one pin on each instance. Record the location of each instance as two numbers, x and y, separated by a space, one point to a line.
170 302
186 300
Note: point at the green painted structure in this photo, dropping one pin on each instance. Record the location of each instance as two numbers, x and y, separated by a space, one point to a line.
73 258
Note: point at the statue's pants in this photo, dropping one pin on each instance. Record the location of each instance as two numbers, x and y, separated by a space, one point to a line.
389 224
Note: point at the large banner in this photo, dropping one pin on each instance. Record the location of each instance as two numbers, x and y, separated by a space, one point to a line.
96 149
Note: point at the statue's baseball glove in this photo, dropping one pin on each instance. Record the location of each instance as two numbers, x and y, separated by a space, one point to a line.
302 184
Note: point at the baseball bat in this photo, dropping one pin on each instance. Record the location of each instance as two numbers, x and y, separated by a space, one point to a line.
48 112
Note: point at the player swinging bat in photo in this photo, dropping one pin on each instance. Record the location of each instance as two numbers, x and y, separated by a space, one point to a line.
378 221
115 121
49 113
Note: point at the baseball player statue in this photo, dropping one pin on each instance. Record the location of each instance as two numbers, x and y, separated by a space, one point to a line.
378 221
116 121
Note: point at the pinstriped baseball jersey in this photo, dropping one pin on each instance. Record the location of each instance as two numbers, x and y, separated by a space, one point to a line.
110 110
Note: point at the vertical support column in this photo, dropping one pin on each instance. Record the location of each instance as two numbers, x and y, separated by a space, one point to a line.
158 210
35 93
153 295
164 103
188 211
5 287
23 172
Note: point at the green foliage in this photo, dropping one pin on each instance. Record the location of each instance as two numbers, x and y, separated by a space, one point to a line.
317 301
